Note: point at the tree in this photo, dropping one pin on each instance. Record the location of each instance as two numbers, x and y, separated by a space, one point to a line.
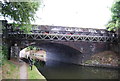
114 23
22 13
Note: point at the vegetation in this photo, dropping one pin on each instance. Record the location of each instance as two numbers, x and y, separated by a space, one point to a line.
34 74
21 13
3 57
104 58
10 70
31 48
114 23
35 61
3 54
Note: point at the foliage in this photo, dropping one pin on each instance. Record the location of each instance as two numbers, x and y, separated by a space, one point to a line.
31 48
22 27
22 13
114 24
3 53
1 56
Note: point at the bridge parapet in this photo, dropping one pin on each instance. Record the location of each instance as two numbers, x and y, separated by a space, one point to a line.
59 33
61 30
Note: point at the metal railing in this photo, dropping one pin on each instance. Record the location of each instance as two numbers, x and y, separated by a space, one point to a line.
62 37
91 35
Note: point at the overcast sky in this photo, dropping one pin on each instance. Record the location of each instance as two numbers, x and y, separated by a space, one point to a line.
76 13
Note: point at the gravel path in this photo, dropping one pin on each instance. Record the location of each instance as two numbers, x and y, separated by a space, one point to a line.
23 70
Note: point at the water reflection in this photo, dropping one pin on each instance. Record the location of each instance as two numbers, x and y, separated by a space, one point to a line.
60 70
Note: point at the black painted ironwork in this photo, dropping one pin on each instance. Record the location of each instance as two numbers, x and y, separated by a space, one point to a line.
62 37
59 33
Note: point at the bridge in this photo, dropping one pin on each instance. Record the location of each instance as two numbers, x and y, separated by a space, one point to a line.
85 42
58 33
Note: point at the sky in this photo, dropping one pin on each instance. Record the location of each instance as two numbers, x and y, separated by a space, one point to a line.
75 13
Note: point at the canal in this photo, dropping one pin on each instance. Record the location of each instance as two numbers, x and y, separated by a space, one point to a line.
58 66
59 70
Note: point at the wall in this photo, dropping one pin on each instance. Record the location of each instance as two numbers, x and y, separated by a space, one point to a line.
72 52
88 48
69 51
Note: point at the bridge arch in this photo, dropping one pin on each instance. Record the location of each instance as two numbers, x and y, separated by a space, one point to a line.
59 52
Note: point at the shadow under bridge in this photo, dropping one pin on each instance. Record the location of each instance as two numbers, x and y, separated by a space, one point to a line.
61 52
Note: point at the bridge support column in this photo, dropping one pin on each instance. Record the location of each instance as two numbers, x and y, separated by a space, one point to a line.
15 51
8 48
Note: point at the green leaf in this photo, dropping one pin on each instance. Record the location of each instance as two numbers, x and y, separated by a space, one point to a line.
21 12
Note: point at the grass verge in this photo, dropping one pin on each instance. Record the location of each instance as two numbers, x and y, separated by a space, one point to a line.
34 74
10 70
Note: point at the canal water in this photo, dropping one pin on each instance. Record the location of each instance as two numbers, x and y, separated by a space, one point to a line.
59 70
63 69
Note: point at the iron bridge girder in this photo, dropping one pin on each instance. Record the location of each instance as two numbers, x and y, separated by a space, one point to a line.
62 37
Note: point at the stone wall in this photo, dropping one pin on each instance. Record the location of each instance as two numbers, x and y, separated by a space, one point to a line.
69 51
72 52
115 47
88 48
